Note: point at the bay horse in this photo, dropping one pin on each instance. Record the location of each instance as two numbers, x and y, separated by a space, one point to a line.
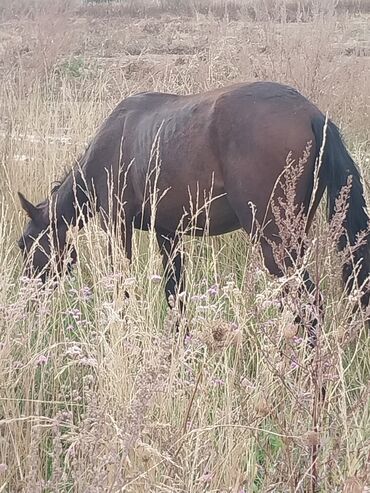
223 149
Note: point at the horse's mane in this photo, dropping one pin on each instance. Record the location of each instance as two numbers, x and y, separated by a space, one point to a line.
56 184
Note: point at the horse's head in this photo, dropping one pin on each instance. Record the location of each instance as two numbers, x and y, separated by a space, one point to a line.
43 242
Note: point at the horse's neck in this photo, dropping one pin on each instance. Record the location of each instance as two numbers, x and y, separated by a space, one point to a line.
72 199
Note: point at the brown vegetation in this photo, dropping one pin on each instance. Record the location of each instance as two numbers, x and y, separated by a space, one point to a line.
95 395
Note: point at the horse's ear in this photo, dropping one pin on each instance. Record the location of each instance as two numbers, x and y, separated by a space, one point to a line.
31 210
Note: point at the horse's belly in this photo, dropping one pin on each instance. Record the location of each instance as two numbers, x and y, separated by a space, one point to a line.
211 217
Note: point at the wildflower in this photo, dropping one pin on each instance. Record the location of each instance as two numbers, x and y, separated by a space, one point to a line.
129 281
260 298
293 364
74 313
290 331
88 379
218 382
229 286
311 438
3 468
188 339
297 340
88 362
155 279
206 477
44 310
196 298
181 296
227 334
74 351
42 360
205 308
29 280
262 406
86 293
109 281
272 303
246 383
213 291
219 332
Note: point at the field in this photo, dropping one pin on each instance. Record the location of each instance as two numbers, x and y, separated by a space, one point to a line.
96 393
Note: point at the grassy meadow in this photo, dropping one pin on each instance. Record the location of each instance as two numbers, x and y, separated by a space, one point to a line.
96 394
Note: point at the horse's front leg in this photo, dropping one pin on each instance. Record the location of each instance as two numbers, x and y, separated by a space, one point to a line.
173 263
126 243
120 231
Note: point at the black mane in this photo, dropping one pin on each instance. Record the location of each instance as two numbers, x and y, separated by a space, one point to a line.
56 184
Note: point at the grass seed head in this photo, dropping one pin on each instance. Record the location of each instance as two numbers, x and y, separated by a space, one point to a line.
311 438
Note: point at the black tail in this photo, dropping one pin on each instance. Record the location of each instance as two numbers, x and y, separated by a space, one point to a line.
337 165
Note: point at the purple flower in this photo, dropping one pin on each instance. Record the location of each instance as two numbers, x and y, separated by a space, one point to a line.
196 298
188 339
42 360
293 364
74 351
206 477
88 362
297 340
218 382
74 313
109 282
86 293
213 291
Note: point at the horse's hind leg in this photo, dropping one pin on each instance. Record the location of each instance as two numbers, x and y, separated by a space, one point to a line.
172 260
315 307
310 318
126 238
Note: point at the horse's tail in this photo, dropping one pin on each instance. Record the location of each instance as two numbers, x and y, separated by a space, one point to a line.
336 167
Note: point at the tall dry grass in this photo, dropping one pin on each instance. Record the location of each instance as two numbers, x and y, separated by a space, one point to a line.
95 392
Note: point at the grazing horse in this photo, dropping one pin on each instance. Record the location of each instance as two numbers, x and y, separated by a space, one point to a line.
215 153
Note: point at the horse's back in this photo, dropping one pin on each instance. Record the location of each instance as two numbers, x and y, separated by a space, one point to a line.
231 142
